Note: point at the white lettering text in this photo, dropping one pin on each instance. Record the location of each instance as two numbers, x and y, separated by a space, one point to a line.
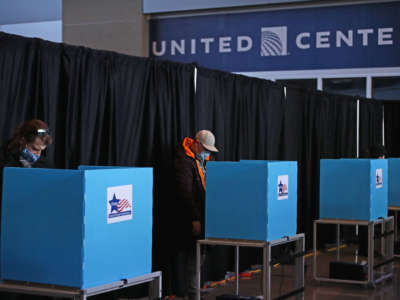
193 46
385 36
207 42
299 40
240 43
225 44
323 39
364 33
348 40
161 52
178 47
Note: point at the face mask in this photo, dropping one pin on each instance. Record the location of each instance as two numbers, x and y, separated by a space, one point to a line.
204 154
29 156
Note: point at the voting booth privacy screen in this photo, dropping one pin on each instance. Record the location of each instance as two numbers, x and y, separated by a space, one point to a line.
353 189
252 200
394 177
78 228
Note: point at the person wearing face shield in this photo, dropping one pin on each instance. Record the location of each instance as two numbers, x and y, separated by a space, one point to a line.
190 173
26 149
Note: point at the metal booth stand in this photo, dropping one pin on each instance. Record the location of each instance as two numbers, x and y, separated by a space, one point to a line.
266 277
154 280
386 236
396 210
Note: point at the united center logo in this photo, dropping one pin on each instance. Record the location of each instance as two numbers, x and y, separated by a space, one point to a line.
274 41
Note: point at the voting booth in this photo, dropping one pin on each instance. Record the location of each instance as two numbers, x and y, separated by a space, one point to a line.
353 189
354 192
253 204
251 200
394 178
394 198
76 228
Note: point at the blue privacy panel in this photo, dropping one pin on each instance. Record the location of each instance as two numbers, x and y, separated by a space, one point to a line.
120 249
252 200
79 228
42 226
353 189
394 178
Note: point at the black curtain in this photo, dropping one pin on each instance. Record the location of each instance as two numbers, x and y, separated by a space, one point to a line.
244 113
103 108
371 121
252 119
392 127
29 82
317 125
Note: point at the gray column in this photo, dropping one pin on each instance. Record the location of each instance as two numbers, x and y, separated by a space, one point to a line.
117 25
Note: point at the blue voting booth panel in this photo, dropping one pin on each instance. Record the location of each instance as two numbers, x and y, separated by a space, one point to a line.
394 179
78 228
124 248
42 226
252 200
353 189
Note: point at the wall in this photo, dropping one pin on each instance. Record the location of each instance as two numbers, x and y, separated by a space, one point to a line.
117 25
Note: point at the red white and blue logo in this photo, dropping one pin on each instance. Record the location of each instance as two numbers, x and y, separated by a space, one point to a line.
119 203
283 187
378 178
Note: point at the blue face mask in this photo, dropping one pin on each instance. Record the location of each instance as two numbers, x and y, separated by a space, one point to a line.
29 156
204 154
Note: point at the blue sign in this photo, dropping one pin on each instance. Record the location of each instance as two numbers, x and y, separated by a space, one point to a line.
350 36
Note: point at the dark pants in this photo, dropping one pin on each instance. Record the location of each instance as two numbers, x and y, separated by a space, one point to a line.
186 273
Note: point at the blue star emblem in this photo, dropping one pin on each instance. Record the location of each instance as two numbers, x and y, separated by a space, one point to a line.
280 185
114 203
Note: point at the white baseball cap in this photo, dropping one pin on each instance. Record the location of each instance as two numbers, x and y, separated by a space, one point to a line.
207 140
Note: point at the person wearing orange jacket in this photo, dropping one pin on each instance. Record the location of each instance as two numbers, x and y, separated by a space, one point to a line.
190 172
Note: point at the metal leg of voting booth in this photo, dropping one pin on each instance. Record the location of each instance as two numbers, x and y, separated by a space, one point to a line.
154 280
396 210
298 293
386 237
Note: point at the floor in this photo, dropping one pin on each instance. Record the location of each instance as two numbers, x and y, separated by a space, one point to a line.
283 282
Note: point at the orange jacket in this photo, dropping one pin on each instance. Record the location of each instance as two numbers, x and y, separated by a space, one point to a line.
190 191
187 142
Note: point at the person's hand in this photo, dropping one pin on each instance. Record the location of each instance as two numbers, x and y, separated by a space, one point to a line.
196 228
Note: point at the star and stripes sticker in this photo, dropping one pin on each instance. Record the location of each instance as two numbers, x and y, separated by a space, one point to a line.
119 206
